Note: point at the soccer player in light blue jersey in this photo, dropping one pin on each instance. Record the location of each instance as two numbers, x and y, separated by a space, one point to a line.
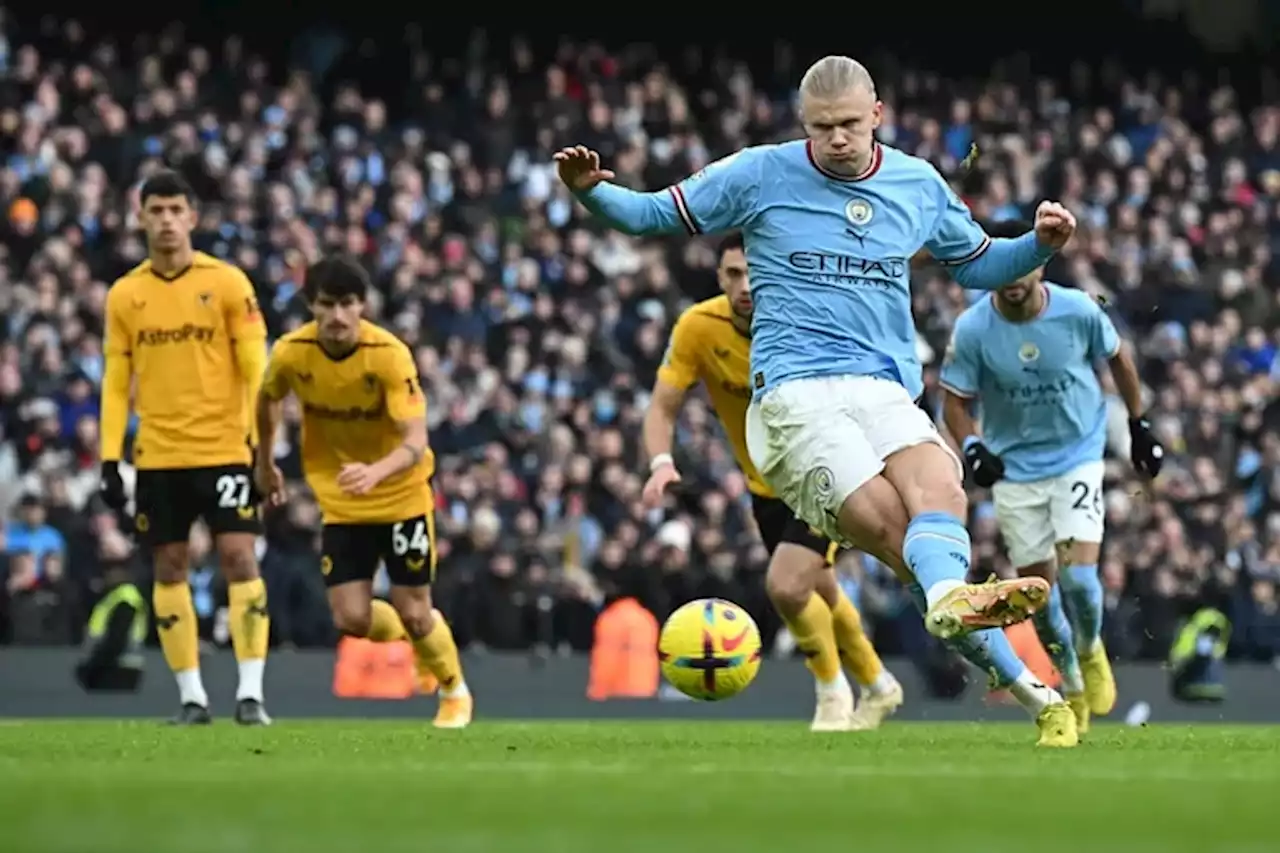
831 224
1026 354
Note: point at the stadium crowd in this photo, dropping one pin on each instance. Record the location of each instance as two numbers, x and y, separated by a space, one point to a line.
538 334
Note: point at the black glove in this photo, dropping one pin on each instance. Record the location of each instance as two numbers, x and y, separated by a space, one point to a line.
987 468
112 487
1145 450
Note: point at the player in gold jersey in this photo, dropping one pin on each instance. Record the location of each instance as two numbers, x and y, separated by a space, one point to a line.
185 338
711 344
366 458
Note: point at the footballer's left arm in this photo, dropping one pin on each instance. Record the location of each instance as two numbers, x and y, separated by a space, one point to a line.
407 406
976 260
248 333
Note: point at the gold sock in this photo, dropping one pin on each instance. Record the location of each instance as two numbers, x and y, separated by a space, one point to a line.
176 625
250 625
816 640
438 653
855 647
384 623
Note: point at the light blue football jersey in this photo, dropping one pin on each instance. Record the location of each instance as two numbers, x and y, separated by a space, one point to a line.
1043 411
829 256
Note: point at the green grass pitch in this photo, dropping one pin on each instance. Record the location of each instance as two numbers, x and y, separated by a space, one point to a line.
375 787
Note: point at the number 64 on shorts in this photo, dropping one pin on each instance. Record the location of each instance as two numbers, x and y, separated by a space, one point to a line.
353 552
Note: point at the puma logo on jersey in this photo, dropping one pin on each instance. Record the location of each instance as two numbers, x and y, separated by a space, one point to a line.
164 623
721 352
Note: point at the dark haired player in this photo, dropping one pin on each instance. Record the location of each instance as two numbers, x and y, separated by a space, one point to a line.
366 458
184 336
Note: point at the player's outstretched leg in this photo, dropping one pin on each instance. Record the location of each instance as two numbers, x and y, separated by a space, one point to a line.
249 621
1083 594
881 692
434 649
937 547
791 580
1054 632
992 653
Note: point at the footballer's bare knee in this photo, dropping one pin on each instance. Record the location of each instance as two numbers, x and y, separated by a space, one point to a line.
237 556
828 586
413 603
352 609
875 519
927 477
863 517
170 562
793 575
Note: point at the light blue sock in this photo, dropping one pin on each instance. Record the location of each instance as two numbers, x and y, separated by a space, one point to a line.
937 549
989 649
1082 590
1054 632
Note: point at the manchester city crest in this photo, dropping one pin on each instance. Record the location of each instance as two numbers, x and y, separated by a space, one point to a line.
859 212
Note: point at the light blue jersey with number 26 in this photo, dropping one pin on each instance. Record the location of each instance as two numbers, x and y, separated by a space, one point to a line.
1043 411
829 256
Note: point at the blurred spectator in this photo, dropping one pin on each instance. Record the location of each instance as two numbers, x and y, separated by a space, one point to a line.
36 555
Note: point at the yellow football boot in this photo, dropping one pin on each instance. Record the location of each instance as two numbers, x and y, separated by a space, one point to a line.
1099 680
454 712
994 604
1057 724
874 707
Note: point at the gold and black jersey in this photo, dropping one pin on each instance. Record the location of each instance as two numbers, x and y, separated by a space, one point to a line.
352 409
179 336
707 347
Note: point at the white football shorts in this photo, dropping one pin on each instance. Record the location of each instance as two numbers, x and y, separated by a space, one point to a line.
817 441
1035 516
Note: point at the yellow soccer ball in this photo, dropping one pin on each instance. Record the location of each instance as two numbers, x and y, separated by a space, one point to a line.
710 649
